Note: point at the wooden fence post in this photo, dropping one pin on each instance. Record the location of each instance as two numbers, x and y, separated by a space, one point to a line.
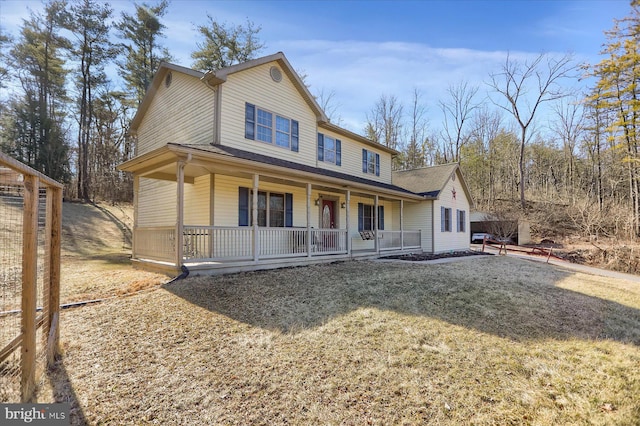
54 234
29 288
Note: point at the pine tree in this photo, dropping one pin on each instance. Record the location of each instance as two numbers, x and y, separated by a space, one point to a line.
226 45
141 48
92 49
617 92
37 131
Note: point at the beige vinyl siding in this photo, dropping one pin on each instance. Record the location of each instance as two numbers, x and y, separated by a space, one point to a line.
156 203
226 204
352 158
197 199
181 113
447 241
418 216
255 86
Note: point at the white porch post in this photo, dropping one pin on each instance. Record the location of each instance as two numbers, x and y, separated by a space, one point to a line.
254 222
136 189
347 222
401 224
212 197
376 243
308 220
180 214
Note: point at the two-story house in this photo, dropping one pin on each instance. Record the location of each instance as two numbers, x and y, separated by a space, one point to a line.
240 169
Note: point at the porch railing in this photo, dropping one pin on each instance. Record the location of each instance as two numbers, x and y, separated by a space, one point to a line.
282 242
155 243
220 243
217 243
399 240
236 243
328 241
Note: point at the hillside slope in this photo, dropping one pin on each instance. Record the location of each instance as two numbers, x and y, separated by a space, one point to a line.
96 252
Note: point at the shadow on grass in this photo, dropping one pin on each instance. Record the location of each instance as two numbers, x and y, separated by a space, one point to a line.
126 231
508 298
63 392
84 230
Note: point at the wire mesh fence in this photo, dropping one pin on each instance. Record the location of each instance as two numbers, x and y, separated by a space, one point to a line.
30 217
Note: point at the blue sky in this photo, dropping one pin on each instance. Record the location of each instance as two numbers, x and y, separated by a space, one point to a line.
363 49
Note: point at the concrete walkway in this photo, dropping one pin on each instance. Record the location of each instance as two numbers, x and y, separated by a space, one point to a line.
568 265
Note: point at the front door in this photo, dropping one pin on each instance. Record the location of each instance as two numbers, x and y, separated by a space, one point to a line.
328 214
328 222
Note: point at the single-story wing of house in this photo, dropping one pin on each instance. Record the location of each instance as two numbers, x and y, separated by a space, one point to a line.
240 169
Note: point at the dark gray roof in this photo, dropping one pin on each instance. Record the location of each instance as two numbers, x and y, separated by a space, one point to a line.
427 181
260 158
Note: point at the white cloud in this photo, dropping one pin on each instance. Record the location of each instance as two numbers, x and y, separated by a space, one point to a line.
360 72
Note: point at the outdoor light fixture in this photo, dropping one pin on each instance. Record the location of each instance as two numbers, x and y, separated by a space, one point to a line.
343 205
317 201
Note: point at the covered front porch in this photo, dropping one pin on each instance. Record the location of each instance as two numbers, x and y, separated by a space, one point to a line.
216 214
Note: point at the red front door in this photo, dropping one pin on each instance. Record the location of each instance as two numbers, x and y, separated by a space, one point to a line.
328 221
328 214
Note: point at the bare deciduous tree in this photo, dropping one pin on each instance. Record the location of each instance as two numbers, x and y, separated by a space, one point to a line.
384 122
457 114
486 128
327 101
568 127
525 86
414 153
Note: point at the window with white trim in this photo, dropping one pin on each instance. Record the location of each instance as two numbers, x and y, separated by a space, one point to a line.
370 162
366 217
445 219
268 127
265 126
461 219
274 209
329 149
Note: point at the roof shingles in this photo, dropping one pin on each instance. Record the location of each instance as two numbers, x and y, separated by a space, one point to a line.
260 158
428 181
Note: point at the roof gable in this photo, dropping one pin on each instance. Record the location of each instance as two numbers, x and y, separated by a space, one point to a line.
158 79
220 76
213 78
429 181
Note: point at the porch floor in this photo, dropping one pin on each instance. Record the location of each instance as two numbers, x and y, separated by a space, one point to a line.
230 267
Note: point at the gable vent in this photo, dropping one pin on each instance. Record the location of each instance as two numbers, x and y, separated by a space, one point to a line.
168 79
276 74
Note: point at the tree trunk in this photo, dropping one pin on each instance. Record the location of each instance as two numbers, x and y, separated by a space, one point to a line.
523 202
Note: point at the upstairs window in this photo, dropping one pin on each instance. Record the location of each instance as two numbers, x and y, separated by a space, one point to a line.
329 149
370 162
266 126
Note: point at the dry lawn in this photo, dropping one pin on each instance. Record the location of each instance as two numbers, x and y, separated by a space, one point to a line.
96 248
96 252
487 340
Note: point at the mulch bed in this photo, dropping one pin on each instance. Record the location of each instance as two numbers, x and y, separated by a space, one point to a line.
431 256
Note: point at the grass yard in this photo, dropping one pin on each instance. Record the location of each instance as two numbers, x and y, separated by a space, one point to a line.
360 343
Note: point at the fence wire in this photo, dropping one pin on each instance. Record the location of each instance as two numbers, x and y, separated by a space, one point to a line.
11 247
